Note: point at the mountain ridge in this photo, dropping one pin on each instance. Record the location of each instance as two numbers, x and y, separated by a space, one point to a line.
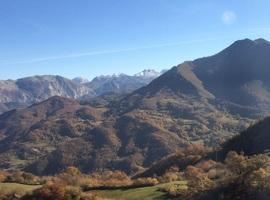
131 132
26 91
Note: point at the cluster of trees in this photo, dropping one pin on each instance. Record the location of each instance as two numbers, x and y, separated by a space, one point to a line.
71 184
250 176
64 186
59 190
24 178
239 177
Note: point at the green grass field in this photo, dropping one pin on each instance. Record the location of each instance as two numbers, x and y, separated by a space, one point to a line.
144 193
17 186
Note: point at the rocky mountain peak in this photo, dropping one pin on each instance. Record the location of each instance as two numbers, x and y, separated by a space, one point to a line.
80 80
148 73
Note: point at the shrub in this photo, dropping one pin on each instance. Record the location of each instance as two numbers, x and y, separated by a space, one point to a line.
9 193
206 165
170 177
23 178
56 191
109 178
142 182
74 171
3 176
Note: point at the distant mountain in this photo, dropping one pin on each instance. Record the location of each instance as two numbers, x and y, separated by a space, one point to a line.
80 80
26 91
205 101
239 74
122 83
148 73
237 78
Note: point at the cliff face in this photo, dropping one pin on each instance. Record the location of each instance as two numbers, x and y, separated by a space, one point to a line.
26 91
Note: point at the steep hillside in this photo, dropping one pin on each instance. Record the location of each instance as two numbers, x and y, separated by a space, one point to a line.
237 78
59 132
32 133
254 140
239 74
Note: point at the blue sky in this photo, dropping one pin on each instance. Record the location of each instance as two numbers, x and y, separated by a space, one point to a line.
93 37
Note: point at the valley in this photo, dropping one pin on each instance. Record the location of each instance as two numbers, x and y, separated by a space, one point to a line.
194 132
134 100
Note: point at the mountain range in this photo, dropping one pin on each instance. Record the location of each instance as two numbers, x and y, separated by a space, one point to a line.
26 91
205 101
122 83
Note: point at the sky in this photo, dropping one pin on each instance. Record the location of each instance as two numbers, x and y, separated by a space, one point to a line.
99 37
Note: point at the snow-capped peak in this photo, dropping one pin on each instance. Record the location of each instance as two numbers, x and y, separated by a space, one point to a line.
80 80
148 73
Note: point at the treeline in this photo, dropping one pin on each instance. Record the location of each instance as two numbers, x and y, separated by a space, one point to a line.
237 177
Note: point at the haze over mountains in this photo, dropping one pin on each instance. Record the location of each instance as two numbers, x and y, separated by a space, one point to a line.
29 90
206 101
